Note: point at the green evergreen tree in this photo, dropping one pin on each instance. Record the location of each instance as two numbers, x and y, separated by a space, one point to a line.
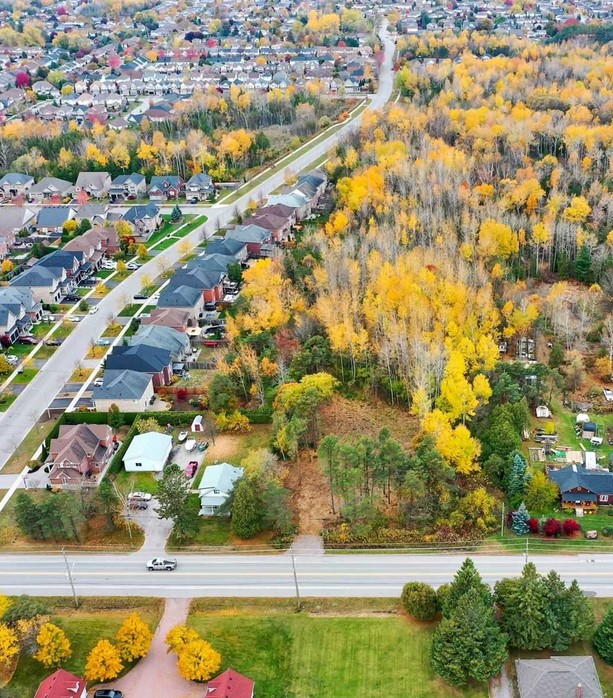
517 477
176 214
419 600
519 521
116 418
556 355
247 514
603 637
27 516
581 615
583 265
467 578
468 644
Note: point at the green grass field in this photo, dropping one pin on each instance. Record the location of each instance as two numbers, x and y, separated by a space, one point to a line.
84 629
303 656
214 531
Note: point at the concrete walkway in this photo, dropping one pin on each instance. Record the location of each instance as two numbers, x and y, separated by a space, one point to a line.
307 545
501 686
156 675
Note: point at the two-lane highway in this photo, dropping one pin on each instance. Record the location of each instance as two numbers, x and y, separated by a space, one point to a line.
272 575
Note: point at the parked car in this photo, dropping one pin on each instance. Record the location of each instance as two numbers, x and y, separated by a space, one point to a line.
210 305
144 496
203 445
133 266
104 342
108 693
73 318
93 310
137 504
109 264
12 359
72 298
53 342
27 340
191 469
194 200
140 297
98 382
161 563
48 318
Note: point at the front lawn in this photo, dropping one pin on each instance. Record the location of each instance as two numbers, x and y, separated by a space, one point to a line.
214 531
26 376
84 628
129 311
7 398
344 657
136 482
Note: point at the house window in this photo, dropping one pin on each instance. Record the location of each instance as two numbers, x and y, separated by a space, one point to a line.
604 497
138 465
216 492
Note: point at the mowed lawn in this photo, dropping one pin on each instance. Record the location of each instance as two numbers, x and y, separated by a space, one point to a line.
84 629
326 657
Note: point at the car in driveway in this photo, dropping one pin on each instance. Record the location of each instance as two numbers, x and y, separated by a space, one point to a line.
133 266
141 297
161 563
73 318
143 496
191 468
27 340
108 693
72 298
98 382
12 359
53 342
104 342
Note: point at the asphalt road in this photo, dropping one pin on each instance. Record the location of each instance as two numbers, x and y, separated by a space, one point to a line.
380 575
17 421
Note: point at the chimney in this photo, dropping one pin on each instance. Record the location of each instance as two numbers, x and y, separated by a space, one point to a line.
579 692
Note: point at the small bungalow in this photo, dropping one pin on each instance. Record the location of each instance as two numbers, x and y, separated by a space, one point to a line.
230 684
216 485
148 452
583 489
559 677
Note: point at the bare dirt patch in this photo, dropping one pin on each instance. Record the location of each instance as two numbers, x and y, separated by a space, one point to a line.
310 493
352 418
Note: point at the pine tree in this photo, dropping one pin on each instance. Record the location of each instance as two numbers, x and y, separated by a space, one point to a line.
583 265
176 214
468 644
247 514
603 637
517 478
519 521
466 578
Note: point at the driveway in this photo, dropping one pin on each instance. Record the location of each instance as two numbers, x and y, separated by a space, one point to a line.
156 530
156 675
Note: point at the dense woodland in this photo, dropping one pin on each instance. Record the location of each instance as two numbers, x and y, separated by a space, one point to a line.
474 210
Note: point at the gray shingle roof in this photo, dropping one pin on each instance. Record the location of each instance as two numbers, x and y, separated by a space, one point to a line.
179 297
557 677
141 357
122 385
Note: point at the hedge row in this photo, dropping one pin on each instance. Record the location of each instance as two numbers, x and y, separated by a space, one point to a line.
260 415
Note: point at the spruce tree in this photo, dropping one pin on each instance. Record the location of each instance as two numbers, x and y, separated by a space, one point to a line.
519 521
466 578
517 478
469 644
603 637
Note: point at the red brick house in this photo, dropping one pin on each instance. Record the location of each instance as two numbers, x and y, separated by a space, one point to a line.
79 453
168 317
230 684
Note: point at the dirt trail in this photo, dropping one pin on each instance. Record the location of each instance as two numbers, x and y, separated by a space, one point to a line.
310 499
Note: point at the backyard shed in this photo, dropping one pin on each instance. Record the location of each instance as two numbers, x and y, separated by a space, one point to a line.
148 452
588 430
543 412
197 424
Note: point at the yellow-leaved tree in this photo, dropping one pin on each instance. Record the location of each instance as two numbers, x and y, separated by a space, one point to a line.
198 661
5 604
179 636
133 638
9 645
53 646
103 662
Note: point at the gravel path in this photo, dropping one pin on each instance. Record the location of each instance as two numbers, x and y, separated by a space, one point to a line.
156 675
501 686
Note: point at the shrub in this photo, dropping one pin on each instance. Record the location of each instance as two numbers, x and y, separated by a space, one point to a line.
570 526
419 600
534 525
235 422
552 528
607 531
182 394
24 607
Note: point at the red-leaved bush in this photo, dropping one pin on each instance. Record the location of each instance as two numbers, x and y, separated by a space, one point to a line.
533 525
182 394
552 528
570 526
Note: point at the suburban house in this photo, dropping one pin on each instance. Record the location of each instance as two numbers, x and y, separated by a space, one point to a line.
142 358
96 214
108 237
131 186
165 187
62 684
164 338
229 247
216 485
184 298
581 488
96 184
200 186
278 226
51 188
48 285
15 184
254 236
312 185
148 452
51 219
295 200
18 310
78 453
168 317
15 219
558 677
131 391
74 263
208 283
145 220
230 684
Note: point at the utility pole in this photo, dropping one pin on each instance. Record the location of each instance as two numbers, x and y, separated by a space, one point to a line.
70 579
526 553
502 523
296 582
